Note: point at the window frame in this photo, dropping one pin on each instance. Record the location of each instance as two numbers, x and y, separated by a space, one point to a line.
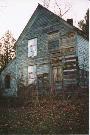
33 52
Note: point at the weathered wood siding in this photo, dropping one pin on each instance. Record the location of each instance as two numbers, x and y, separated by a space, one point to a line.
9 70
42 24
49 29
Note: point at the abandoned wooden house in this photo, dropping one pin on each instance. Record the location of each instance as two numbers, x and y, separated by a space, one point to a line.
50 53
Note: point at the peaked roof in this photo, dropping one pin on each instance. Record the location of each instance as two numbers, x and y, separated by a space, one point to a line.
40 7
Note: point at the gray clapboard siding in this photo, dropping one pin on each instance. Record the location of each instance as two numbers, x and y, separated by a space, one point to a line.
83 52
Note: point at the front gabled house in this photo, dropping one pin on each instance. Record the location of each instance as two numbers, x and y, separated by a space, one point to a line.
50 54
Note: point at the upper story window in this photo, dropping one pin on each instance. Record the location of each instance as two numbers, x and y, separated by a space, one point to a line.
53 41
53 45
32 47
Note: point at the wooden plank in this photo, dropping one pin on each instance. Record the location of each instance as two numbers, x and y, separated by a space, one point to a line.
70 76
70 81
70 56
69 72
70 67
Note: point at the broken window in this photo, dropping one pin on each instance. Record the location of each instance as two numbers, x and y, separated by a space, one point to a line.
32 47
53 41
7 81
31 74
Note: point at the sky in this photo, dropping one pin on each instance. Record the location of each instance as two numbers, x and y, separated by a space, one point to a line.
14 14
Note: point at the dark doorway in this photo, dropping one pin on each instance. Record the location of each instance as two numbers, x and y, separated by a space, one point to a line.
7 81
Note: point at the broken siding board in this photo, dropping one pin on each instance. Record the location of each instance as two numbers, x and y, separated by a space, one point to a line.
70 76
70 68
70 71
70 81
53 36
68 51
70 60
70 56
72 63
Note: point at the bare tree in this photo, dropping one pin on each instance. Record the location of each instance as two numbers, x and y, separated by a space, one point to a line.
67 8
46 3
57 6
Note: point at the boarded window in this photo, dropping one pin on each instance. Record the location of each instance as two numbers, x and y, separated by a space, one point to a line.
7 81
32 47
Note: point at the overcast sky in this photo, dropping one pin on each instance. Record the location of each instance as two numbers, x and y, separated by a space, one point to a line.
14 14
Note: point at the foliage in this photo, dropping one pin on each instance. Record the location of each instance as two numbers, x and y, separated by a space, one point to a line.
7 49
84 24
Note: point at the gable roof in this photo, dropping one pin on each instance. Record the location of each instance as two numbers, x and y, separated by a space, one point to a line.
39 8
66 23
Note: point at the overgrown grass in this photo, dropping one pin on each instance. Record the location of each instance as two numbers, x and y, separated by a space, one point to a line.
51 115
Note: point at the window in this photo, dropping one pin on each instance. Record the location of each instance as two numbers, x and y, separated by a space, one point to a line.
31 74
32 47
53 45
53 41
68 39
7 81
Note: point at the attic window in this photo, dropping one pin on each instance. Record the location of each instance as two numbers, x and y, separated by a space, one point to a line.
32 47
